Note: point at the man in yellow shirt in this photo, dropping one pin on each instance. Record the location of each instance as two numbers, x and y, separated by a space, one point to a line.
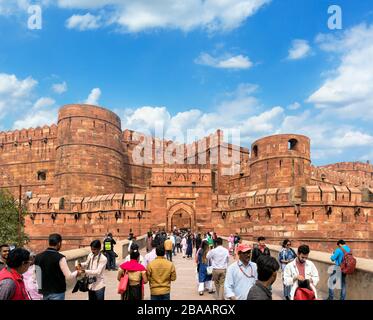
168 247
160 274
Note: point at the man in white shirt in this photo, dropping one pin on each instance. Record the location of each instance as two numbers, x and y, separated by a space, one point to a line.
149 257
301 269
94 268
218 259
241 275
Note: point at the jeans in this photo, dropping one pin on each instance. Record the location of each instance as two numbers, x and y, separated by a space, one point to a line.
343 284
178 247
54 296
160 297
96 295
110 255
287 290
169 255
173 249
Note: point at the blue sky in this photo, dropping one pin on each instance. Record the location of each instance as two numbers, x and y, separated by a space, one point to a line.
261 66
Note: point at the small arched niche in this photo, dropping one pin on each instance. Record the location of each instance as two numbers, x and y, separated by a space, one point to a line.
292 144
255 151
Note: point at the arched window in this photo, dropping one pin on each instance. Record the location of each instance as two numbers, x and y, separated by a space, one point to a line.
255 151
42 175
292 144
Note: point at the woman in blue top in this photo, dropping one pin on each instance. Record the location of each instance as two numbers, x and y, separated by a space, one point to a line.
286 255
203 277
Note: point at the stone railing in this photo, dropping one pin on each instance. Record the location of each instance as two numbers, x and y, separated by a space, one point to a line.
81 254
359 284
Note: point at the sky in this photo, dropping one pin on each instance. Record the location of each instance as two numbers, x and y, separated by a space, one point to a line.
262 67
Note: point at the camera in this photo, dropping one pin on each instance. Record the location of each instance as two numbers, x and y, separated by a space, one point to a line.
92 280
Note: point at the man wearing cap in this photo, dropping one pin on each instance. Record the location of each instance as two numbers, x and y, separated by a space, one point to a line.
241 275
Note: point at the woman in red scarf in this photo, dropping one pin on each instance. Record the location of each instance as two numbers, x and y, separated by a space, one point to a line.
136 277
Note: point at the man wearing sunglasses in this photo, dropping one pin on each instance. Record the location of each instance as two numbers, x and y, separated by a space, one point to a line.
241 275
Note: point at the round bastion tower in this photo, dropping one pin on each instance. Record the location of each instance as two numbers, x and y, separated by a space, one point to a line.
280 161
89 154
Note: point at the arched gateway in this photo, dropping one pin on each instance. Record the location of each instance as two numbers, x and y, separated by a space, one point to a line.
180 215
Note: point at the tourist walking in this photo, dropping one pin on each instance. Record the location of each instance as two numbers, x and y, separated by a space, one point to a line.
241 275
168 247
94 268
260 249
337 274
109 252
149 239
198 242
267 274
12 286
173 239
210 240
54 270
4 253
285 256
184 245
30 280
134 246
189 250
237 241
149 257
204 278
219 258
160 274
137 277
299 270
178 243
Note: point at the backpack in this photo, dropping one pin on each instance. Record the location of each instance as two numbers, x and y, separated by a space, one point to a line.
348 264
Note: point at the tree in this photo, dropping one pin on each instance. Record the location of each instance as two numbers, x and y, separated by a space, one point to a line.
9 221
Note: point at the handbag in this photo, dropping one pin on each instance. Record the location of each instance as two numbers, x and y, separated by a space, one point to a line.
209 270
123 284
81 285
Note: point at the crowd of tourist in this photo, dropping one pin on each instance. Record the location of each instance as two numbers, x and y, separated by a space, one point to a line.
26 276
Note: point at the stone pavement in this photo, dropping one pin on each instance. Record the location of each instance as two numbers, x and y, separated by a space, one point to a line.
184 288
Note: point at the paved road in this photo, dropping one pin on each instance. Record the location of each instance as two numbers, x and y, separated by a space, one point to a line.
184 288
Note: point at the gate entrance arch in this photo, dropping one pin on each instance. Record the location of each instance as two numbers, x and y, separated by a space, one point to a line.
181 215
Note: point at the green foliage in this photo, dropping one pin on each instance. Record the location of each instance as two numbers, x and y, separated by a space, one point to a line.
9 220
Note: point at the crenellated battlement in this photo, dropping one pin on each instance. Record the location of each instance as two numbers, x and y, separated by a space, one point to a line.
28 136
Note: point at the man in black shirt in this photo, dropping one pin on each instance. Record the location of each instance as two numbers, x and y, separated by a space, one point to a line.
267 274
110 254
51 266
260 249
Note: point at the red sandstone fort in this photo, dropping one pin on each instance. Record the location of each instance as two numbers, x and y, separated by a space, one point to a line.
81 181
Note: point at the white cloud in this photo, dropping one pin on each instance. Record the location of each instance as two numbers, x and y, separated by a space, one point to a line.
294 106
83 22
44 102
248 116
348 90
230 62
12 7
60 87
299 50
94 96
15 93
140 15
43 112
38 118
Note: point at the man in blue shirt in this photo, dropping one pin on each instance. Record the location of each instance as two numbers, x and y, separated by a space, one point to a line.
337 258
241 275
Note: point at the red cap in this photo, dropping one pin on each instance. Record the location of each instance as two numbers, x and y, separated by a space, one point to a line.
243 247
